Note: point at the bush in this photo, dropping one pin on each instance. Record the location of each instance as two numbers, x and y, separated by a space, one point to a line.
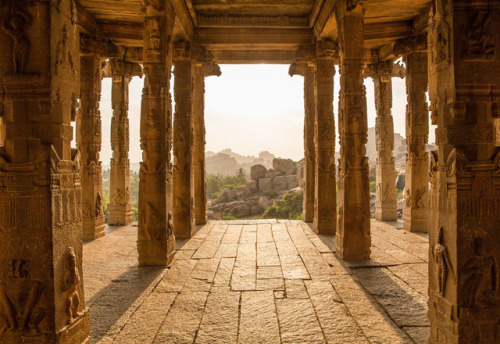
229 217
290 207
215 183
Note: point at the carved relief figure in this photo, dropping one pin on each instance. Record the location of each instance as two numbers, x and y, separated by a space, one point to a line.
170 224
119 197
18 306
442 259
481 284
98 205
476 40
16 26
420 197
70 286
407 198
152 217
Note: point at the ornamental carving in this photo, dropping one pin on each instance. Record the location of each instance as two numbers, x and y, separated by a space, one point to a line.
442 259
16 25
478 45
70 286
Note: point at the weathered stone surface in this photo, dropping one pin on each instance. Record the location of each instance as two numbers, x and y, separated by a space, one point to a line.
279 183
257 172
298 321
259 321
291 182
252 185
265 184
263 202
242 192
284 166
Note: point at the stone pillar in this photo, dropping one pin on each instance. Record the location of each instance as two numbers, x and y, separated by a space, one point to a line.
464 89
156 241
41 282
325 202
89 145
353 234
183 142
385 203
416 210
120 206
305 65
203 67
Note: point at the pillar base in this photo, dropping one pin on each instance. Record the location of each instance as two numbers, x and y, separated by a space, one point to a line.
155 252
355 250
415 222
120 215
94 230
324 226
386 214
77 331
201 220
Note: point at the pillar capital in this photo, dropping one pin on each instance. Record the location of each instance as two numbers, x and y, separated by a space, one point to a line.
411 44
182 50
115 67
385 70
327 49
152 8
304 57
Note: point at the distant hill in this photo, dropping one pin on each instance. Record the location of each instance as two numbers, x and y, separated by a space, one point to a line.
227 162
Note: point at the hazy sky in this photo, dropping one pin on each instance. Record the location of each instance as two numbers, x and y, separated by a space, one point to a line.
250 108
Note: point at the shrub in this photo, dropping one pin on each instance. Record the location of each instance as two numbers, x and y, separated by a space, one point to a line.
215 183
290 207
229 217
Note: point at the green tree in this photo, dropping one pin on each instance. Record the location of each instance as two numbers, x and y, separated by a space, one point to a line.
289 207
217 182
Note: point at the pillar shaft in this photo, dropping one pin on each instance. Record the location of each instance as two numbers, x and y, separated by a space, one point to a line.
89 145
325 208
309 147
464 89
156 241
385 203
41 281
200 199
416 210
183 142
353 235
120 207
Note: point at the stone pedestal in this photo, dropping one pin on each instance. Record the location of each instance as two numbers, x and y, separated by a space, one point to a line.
353 234
89 145
464 90
385 203
203 67
183 142
41 282
120 206
325 202
416 210
305 65
156 241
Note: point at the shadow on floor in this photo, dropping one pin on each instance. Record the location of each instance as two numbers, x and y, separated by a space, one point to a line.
113 305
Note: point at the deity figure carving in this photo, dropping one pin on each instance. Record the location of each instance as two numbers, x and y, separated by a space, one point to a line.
70 286
442 259
170 224
480 288
98 205
477 42
420 198
16 26
407 198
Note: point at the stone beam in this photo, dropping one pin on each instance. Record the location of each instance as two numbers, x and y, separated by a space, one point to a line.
156 240
253 21
125 33
182 14
101 48
86 21
252 38
254 56
42 287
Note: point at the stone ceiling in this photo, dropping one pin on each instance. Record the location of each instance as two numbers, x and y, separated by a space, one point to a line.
255 31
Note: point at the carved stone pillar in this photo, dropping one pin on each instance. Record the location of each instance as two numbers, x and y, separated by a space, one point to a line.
385 203
353 234
203 67
464 89
416 210
183 142
89 145
120 206
305 65
41 282
156 241
325 203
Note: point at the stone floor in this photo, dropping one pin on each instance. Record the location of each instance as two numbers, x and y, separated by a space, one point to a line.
261 281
